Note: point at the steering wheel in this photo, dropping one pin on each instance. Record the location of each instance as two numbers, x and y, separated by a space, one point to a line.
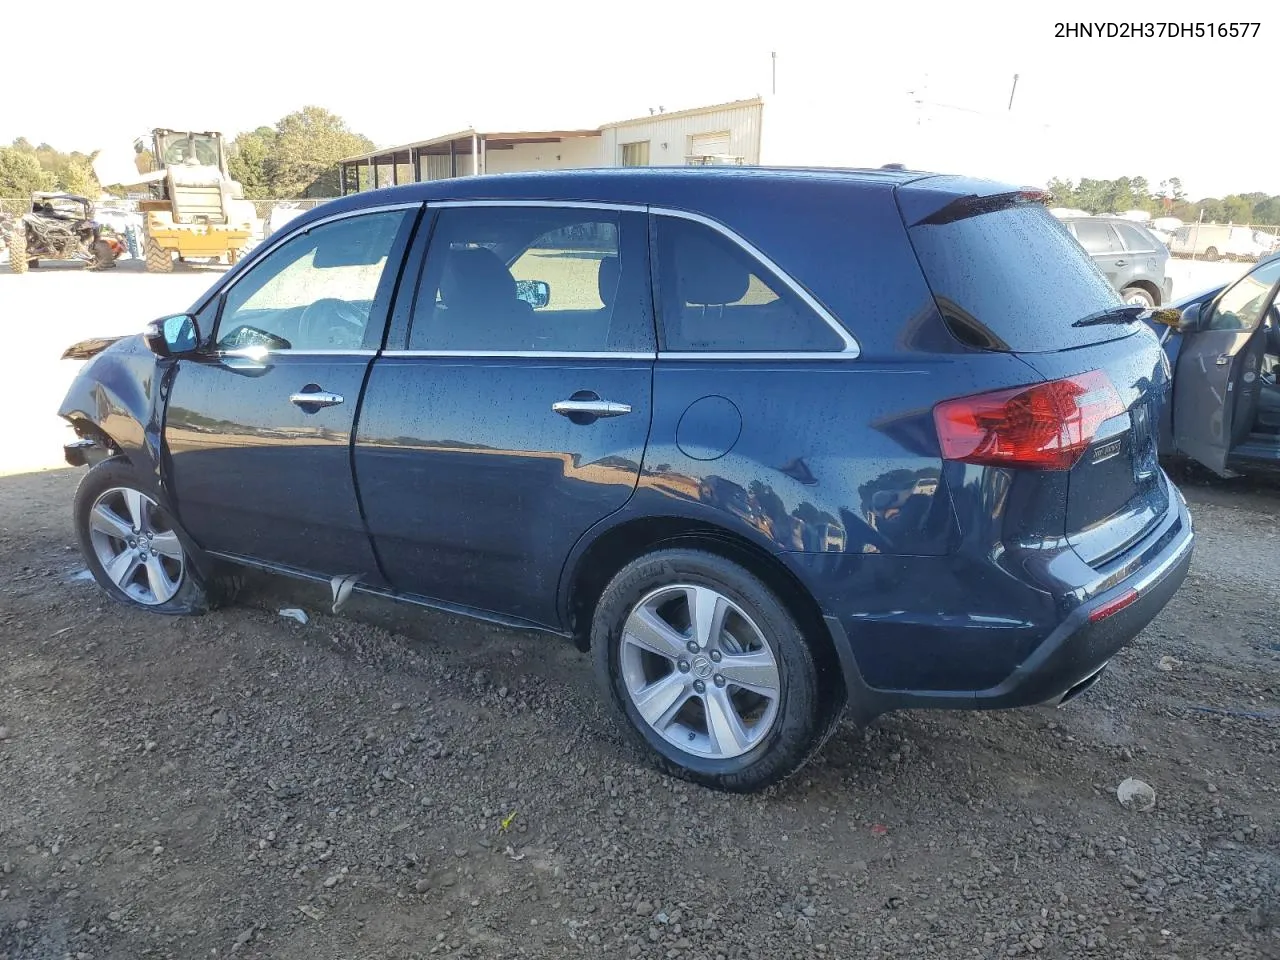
332 324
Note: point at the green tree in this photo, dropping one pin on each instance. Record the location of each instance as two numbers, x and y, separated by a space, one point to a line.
305 152
20 173
250 162
1238 209
1063 191
1268 212
77 177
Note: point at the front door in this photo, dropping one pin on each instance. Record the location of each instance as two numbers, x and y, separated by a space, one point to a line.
1209 417
516 412
258 428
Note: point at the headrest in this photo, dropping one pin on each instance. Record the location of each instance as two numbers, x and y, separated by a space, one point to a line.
476 276
709 275
607 279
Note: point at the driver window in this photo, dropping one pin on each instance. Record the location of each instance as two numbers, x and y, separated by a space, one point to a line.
314 292
1241 307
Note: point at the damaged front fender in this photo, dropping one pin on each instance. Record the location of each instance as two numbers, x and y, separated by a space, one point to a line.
118 397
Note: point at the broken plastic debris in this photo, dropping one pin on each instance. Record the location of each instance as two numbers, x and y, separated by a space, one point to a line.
293 613
879 830
342 586
1168 664
506 821
1136 795
310 911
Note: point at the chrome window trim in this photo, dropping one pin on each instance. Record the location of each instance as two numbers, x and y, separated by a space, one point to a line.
240 352
523 354
851 348
555 204
850 351
741 355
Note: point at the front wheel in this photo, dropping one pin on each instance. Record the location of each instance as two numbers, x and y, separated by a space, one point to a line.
132 547
158 259
708 670
1137 297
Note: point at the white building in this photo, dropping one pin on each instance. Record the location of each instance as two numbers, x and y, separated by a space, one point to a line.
723 133
806 131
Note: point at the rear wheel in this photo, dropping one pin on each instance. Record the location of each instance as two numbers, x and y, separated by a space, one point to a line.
159 260
18 250
1137 297
708 671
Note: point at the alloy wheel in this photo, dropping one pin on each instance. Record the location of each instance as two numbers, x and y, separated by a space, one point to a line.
699 671
134 541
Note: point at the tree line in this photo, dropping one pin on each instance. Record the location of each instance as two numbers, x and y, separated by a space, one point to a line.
1167 199
296 158
25 169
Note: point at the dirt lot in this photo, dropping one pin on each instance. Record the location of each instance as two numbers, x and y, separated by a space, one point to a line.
390 783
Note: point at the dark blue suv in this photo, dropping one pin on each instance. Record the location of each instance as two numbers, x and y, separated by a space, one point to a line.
772 444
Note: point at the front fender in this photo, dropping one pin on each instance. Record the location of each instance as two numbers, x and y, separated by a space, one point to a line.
119 393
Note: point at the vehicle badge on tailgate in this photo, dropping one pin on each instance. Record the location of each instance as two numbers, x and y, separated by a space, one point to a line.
1106 451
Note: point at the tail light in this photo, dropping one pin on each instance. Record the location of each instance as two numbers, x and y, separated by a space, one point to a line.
1047 426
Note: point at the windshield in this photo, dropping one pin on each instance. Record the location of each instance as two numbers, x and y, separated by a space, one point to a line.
188 148
1013 279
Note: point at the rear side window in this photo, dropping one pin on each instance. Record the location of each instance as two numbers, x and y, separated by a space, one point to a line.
1010 278
1097 237
717 298
1136 240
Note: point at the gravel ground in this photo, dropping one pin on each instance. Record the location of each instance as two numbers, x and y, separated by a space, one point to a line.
393 784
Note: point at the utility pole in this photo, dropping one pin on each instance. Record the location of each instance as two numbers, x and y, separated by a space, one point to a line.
1013 91
774 57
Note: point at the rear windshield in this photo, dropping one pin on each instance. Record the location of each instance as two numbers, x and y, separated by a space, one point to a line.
1013 279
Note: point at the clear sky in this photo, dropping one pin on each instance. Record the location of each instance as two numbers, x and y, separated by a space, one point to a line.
400 72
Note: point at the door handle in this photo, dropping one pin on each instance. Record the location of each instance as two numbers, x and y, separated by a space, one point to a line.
1121 263
590 408
1223 359
315 398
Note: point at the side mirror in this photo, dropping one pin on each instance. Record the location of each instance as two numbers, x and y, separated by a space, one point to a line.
1190 318
172 336
537 293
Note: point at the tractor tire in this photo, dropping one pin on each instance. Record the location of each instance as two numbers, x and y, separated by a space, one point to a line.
18 250
159 260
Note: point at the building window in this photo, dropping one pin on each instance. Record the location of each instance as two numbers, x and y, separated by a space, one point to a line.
635 154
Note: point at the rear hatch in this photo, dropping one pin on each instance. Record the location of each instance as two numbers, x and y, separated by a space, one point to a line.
1007 276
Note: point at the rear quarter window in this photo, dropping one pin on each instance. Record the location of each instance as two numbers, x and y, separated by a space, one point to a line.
1013 279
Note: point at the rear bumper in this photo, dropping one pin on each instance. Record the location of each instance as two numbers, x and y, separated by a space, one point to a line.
1118 606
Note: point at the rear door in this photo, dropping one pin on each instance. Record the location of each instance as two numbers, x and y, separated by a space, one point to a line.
1102 243
505 422
1212 382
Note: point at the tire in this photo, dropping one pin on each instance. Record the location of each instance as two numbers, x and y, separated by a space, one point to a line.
1211 254
159 260
1137 296
758 740
134 549
103 257
18 250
